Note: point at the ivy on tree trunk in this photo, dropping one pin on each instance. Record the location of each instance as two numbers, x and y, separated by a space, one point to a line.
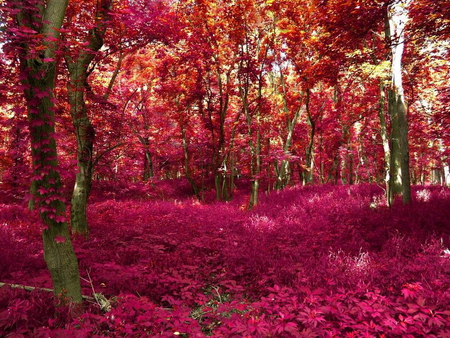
39 25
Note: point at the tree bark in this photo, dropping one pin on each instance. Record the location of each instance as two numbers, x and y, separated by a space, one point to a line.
85 135
308 176
148 171
39 72
221 165
78 67
395 161
399 176
384 138
283 169
187 160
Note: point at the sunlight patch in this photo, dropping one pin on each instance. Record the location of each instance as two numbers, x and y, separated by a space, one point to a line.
314 199
359 265
260 223
377 201
423 195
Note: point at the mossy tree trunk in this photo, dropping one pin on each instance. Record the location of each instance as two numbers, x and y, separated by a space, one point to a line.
37 55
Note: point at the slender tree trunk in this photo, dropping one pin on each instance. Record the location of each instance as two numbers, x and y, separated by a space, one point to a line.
283 169
187 165
404 146
350 169
254 145
78 66
385 139
148 169
229 157
256 169
114 76
308 177
85 135
222 168
39 74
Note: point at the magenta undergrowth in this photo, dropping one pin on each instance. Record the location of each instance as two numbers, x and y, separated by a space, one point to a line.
319 261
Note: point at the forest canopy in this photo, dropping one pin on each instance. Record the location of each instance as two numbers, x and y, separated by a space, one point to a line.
271 92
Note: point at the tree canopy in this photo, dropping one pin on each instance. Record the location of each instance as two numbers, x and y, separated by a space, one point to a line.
272 92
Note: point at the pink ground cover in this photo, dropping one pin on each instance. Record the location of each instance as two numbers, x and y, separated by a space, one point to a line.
317 261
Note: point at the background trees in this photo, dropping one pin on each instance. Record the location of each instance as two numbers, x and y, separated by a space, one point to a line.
270 92
250 92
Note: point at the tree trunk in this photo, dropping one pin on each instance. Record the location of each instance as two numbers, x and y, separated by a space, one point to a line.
256 169
404 146
85 134
308 176
187 165
385 139
395 174
283 169
148 166
350 169
148 170
399 180
39 74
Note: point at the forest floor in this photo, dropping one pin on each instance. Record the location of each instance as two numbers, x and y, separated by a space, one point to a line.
316 261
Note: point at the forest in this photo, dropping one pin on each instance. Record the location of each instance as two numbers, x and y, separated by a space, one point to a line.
241 168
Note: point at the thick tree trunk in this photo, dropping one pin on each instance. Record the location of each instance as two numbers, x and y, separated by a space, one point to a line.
399 180
39 80
58 251
62 262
